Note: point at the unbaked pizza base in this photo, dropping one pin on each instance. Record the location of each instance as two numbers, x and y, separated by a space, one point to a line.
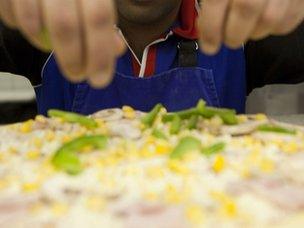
257 181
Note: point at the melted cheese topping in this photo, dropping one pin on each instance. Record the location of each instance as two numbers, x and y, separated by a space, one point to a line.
135 173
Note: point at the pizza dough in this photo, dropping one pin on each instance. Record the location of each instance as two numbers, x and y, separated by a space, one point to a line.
124 168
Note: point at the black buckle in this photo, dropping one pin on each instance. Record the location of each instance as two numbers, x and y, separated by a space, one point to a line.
187 53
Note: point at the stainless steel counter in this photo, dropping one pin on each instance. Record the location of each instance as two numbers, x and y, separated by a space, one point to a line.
292 119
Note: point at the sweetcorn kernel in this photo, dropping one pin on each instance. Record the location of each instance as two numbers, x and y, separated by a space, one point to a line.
267 165
177 166
100 122
218 164
40 118
27 126
129 112
155 172
36 207
50 135
59 209
172 195
12 150
195 214
260 116
290 147
37 142
162 147
87 149
102 127
242 118
95 203
2 156
66 138
3 184
30 187
33 155
151 196
147 150
229 209
227 205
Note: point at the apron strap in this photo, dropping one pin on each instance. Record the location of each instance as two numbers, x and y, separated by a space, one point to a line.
187 53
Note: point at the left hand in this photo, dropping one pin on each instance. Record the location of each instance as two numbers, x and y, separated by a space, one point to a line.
233 22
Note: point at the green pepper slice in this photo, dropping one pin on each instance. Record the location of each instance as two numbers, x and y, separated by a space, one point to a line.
276 129
149 119
228 116
185 145
186 114
159 134
176 125
192 122
73 118
66 158
214 149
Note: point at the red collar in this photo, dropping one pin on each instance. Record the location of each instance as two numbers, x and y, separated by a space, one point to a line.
186 29
187 19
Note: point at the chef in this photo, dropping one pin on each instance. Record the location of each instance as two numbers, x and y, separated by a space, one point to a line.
100 54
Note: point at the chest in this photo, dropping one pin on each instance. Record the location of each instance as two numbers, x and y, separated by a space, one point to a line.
178 79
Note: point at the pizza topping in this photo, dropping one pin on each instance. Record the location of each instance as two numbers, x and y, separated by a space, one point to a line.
243 129
33 154
73 118
66 157
276 129
114 114
157 133
192 123
185 114
124 129
227 205
187 144
227 115
213 149
27 126
170 174
195 214
260 117
218 164
149 119
176 125
129 112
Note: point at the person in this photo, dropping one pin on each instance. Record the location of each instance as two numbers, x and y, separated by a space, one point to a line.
90 68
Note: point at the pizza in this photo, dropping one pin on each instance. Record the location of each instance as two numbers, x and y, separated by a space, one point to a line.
201 167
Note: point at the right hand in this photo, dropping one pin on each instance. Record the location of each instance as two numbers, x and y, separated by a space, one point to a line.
80 32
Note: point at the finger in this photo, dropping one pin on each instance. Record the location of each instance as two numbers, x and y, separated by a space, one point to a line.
63 23
210 26
29 19
241 21
99 19
7 13
120 46
292 19
103 79
271 18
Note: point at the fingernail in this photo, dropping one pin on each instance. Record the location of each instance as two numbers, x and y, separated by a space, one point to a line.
209 48
75 77
100 80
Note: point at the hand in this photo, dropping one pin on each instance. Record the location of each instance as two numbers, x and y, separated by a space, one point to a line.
233 22
81 34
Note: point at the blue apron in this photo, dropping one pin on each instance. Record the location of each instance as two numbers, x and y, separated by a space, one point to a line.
177 89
